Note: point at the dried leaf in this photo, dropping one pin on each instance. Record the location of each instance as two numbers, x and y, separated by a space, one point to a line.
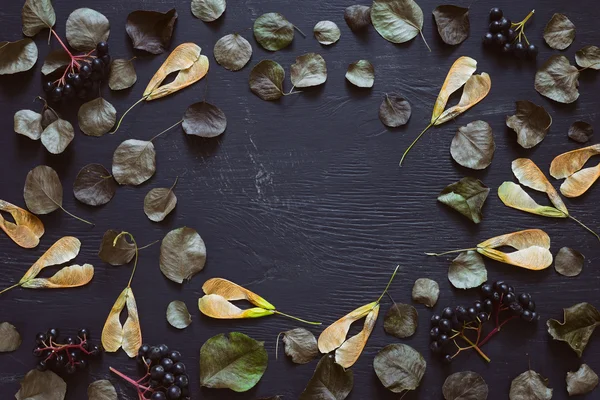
467 271
119 253
182 254
532 247
151 31
557 80
300 345
530 386
17 56
266 80
326 32
452 23
426 291
475 90
559 32
466 196
394 110
531 176
401 320
579 183
308 70
465 385
588 57
582 381
122 74
27 229
134 162
28 123
566 164
397 21
513 195
127 336
569 262
581 131
357 17
234 361
361 73
10 339
67 277
42 386
330 381
335 334
57 136
579 323
218 307
94 185
102 390
473 145
273 32
36 16
232 51
460 72
55 60
349 352
86 28
63 250
43 190
230 291
48 116
205 120
531 123
208 10
178 315
399 367
159 202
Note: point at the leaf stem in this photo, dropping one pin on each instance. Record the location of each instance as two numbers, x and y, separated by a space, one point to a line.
148 245
414 142
166 130
584 226
426 44
388 284
11 287
450 252
277 345
296 318
475 347
125 113
298 29
135 262
76 217
61 43
128 379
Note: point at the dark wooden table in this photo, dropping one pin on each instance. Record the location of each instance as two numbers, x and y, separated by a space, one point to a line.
302 200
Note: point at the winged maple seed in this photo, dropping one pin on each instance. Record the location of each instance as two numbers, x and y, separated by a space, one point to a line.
569 165
27 229
220 292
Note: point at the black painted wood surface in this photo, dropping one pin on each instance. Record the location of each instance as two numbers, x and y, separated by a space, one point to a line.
302 200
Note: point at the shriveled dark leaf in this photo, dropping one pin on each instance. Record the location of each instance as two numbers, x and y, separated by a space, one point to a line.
36 16
86 28
182 254
452 23
266 80
43 191
530 386
466 196
588 57
559 32
122 74
569 262
94 185
467 271
426 291
178 315
358 17
48 117
557 79
134 162
300 345
361 73
151 31
17 56
397 21
581 131
42 386
159 202
55 60
473 145
119 253
582 381
232 52
579 323
326 32
28 123
399 367
330 381
205 120
57 136
465 385
394 110
273 32
208 10
102 390
401 320
531 123
308 70
10 339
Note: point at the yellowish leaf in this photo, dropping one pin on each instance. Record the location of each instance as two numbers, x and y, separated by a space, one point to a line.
73 276
475 90
578 183
532 247
27 229
347 354
127 336
519 240
64 250
531 176
216 306
458 75
233 291
513 195
566 164
335 334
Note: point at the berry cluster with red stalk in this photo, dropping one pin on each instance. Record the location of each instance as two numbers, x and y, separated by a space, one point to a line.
67 357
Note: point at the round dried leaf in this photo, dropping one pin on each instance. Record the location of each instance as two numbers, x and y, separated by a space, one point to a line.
208 10
102 390
588 57
465 385
361 73
232 52
119 253
10 339
559 32
580 131
42 385
17 56
394 110
326 32
399 367
86 28
531 123
28 123
266 80
557 79
122 74
134 162
357 17
401 320
43 191
205 120
182 254
57 136
300 345
308 70
96 117
426 291
273 32
530 385
582 381
178 315
94 185
569 262
159 202
473 145
467 271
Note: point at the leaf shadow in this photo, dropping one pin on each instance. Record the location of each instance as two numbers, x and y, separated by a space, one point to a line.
357 92
13 84
217 24
203 147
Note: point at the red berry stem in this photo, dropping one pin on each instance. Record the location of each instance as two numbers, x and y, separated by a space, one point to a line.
56 348
139 387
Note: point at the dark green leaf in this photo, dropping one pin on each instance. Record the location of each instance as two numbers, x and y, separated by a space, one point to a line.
329 382
57 136
134 162
28 123
466 196
94 185
401 320
452 23
559 32
37 15
102 390
10 339
397 21
467 271
399 367
531 123
529 386
473 145
326 32
17 56
232 52
266 80
581 132
96 117
588 57
86 28
205 120
394 110
581 382
465 385
300 345
357 17
120 253
42 386
577 328
55 60
122 74
151 31
208 10
182 254
426 291
178 315
308 70
557 80
159 202
273 32
361 73
569 262
43 191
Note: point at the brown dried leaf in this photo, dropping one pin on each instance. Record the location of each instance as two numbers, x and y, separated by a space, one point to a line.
531 123
347 354
27 229
566 164
119 253
300 345
569 262
151 30
335 334
67 277
532 247
127 336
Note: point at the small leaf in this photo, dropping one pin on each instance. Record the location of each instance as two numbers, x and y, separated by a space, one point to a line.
530 386
465 385
26 230
42 385
531 123
28 123
36 16
401 320
466 196
473 145
361 73
57 136
569 262
208 10
266 80
102 390
43 190
86 28
127 336
235 362
308 70
232 52
426 291
467 271
122 74
577 328
397 21
394 110
151 31
300 345
326 32
452 23
588 57
273 32
330 381
205 120
17 56
134 162
581 131
557 80
399 367
55 60
10 339
582 381
182 254
158 203
94 185
119 253
178 315
559 32
357 17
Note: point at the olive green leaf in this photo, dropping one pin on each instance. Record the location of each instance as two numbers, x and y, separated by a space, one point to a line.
582 381
42 385
308 70
465 385
151 31
577 328
208 10
122 74
232 51
119 253
588 57
266 80
531 123
233 361
559 32
467 271
134 162
361 73
473 145
357 17
466 196
159 202
17 56
397 21
326 32
28 123
530 386
94 185
330 381
401 320
569 262
86 28
96 117
394 110
57 136
55 60
452 23
204 120
10 339
37 15
43 190
557 80
102 390
426 291
182 254
300 345
273 32
399 367
581 131
178 315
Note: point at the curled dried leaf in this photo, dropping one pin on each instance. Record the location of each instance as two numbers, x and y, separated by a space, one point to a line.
10 339
55 60
361 73
466 196
57 136
266 80
43 190
582 381
579 323
426 291
122 74
159 202
531 123
330 381
182 254
308 70
530 385
36 16
28 123
300 345
397 21
569 262
17 56
399 367
204 119
358 17
467 271
127 336
581 131
588 57
151 31
134 162
116 253
178 315
42 385
96 117
26 230
452 23
559 32
102 390
557 79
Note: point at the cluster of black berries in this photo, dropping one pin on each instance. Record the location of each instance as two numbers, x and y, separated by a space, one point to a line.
69 356
166 375
82 78
501 293
506 36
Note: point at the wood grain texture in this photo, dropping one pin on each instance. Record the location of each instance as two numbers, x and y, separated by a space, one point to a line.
302 200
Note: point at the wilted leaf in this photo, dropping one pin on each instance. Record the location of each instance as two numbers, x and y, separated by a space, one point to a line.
394 110
122 74
581 131
588 57
37 15
559 32
27 229
42 385
473 145
182 254
361 73
531 123
300 345
467 271
17 56
466 196
399 367
397 21
102 390
10 339
208 10
273 32
159 202
28 123
43 190
127 336
349 352
578 183
67 277
566 164
232 52
204 120
308 70
178 315
57 136
335 334
582 381
530 386
557 80
426 291
401 320
357 17
94 185
55 60
151 31
465 385
266 80
235 362
134 162
326 32
86 28
48 116
330 381
119 253
532 247
452 23
569 262
577 328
